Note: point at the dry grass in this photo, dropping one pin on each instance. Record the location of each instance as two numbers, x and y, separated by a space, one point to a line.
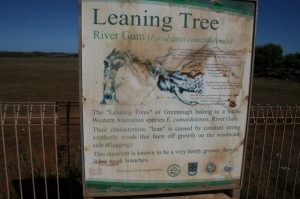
39 79
57 79
275 91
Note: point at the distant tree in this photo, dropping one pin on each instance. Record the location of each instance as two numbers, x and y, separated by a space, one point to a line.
292 62
268 57
291 66
37 54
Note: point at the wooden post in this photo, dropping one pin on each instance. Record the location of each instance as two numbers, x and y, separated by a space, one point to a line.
235 193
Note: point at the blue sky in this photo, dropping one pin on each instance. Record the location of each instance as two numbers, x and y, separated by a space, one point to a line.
39 25
52 25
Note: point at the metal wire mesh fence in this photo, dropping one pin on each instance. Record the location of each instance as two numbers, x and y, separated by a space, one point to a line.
273 152
40 151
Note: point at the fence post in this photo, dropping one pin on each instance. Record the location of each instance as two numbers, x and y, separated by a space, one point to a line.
68 138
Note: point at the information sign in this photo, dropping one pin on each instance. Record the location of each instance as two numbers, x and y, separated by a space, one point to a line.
165 94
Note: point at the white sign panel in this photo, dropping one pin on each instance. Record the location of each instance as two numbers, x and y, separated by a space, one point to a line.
165 94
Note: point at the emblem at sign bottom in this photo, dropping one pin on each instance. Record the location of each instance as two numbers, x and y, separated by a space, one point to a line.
174 170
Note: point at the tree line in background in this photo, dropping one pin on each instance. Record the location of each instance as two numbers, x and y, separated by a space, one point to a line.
270 62
38 54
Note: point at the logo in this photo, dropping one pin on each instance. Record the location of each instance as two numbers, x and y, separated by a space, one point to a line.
211 168
192 168
174 170
228 167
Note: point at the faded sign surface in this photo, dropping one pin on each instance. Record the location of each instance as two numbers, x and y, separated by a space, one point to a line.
165 88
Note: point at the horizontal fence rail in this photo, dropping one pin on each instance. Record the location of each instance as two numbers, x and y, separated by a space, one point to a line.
40 151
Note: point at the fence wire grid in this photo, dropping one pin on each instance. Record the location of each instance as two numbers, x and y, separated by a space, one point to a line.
40 151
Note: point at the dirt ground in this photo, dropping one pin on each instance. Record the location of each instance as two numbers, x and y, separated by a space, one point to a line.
57 79
39 79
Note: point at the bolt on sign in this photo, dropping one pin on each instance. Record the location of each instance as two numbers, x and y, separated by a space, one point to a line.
165 94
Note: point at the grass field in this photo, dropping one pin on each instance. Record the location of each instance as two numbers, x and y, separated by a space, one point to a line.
57 79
